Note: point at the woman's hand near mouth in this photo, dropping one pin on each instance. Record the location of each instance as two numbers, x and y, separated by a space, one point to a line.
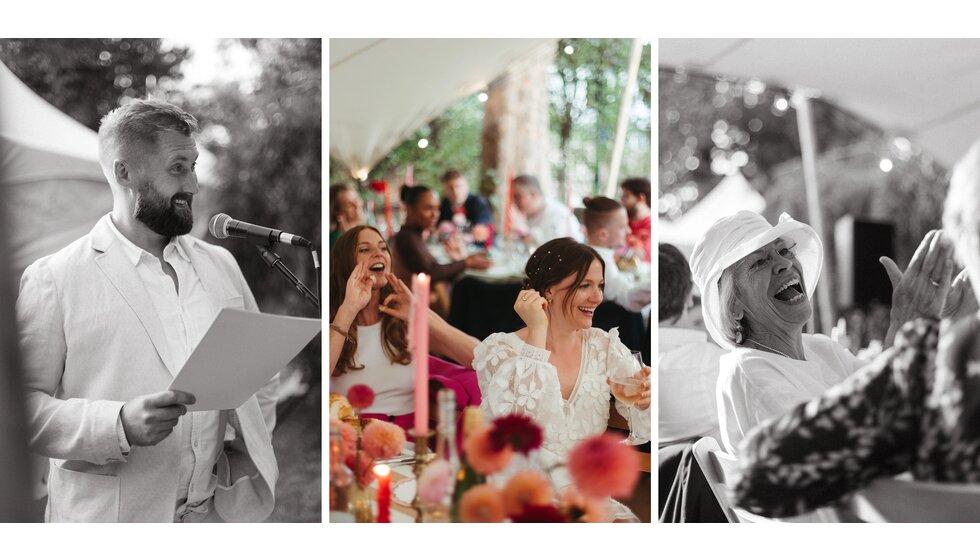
399 303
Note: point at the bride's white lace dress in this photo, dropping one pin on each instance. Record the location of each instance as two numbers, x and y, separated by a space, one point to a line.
516 377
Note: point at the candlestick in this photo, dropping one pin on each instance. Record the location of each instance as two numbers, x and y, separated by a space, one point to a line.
508 202
421 457
420 352
410 176
383 474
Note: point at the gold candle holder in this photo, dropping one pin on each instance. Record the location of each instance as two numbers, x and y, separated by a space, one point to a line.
422 456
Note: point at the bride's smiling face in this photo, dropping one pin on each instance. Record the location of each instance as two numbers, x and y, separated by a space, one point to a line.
575 305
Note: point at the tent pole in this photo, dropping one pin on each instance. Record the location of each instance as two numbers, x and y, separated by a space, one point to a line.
808 150
623 121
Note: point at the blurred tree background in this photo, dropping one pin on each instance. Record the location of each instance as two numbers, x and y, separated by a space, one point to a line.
712 126
584 89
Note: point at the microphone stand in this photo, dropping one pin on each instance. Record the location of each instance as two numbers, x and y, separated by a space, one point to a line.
275 261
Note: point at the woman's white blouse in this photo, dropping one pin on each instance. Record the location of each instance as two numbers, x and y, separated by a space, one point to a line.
516 377
754 385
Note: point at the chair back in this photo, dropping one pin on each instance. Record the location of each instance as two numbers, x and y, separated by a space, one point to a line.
719 468
889 500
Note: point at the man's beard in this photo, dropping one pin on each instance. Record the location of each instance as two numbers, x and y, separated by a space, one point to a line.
161 214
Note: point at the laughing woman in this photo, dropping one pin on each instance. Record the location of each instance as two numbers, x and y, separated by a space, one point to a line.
756 282
368 328
556 369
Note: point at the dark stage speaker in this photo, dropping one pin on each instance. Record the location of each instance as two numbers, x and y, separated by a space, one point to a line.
859 244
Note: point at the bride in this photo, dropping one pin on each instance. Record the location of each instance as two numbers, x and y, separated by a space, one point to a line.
556 369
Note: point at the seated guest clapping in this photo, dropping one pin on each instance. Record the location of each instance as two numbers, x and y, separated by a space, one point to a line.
606 228
556 369
916 408
688 365
756 281
368 329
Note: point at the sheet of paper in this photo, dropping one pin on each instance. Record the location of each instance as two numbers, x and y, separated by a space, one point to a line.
241 351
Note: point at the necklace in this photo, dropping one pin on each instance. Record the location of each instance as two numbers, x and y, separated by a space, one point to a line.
769 348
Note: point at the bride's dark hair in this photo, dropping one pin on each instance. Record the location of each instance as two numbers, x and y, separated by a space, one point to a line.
556 260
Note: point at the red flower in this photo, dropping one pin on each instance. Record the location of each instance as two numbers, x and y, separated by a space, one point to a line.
360 396
517 431
365 473
601 466
379 186
539 514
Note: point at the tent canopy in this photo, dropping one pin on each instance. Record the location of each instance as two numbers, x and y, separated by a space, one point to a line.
383 90
54 190
732 194
927 90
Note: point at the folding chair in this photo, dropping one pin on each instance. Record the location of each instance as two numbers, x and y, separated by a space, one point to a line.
719 468
889 500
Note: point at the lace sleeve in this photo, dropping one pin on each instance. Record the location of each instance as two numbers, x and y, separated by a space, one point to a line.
515 377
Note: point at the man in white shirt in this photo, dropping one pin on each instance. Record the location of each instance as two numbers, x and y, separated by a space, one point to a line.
688 361
606 228
546 218
107 323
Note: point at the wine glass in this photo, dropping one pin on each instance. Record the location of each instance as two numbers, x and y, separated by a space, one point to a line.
627 384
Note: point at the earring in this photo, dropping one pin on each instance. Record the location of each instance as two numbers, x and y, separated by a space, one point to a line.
738 332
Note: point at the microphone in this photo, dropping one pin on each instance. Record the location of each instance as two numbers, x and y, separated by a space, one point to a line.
222 226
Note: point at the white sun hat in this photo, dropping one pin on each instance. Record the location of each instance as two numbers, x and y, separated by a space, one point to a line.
734 237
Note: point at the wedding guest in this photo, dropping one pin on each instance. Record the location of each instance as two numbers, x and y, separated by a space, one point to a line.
105 325
556 369
606 230
688 366
465 209
346 209
546 218
756 282
369 330
915 408
636 200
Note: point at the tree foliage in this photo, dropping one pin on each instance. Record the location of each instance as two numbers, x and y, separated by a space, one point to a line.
590 75
86 78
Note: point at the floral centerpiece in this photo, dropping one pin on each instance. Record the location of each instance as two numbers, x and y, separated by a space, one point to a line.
600 467
371 441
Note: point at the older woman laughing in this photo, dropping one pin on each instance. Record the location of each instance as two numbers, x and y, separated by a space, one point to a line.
756 282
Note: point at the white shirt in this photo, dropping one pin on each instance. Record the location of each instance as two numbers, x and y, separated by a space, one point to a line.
393 384
687 372
619 288
755 385
553 221
186 317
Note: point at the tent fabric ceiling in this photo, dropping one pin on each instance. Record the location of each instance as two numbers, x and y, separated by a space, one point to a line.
925 89
383 90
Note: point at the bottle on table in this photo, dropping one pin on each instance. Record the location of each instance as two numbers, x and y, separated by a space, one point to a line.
466 477
445 450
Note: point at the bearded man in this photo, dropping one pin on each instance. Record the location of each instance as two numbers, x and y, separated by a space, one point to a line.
105 326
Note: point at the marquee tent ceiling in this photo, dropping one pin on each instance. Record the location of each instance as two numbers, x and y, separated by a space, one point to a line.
927 90
383 90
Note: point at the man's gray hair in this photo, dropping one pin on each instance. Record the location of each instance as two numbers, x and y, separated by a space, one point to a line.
529 182
138 123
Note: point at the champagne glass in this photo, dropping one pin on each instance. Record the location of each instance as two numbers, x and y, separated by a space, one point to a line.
626 384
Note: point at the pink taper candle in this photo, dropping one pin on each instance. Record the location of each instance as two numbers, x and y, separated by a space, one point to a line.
420 352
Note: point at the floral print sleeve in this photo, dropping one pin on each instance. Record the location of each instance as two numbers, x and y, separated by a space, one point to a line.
873 424
515 377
